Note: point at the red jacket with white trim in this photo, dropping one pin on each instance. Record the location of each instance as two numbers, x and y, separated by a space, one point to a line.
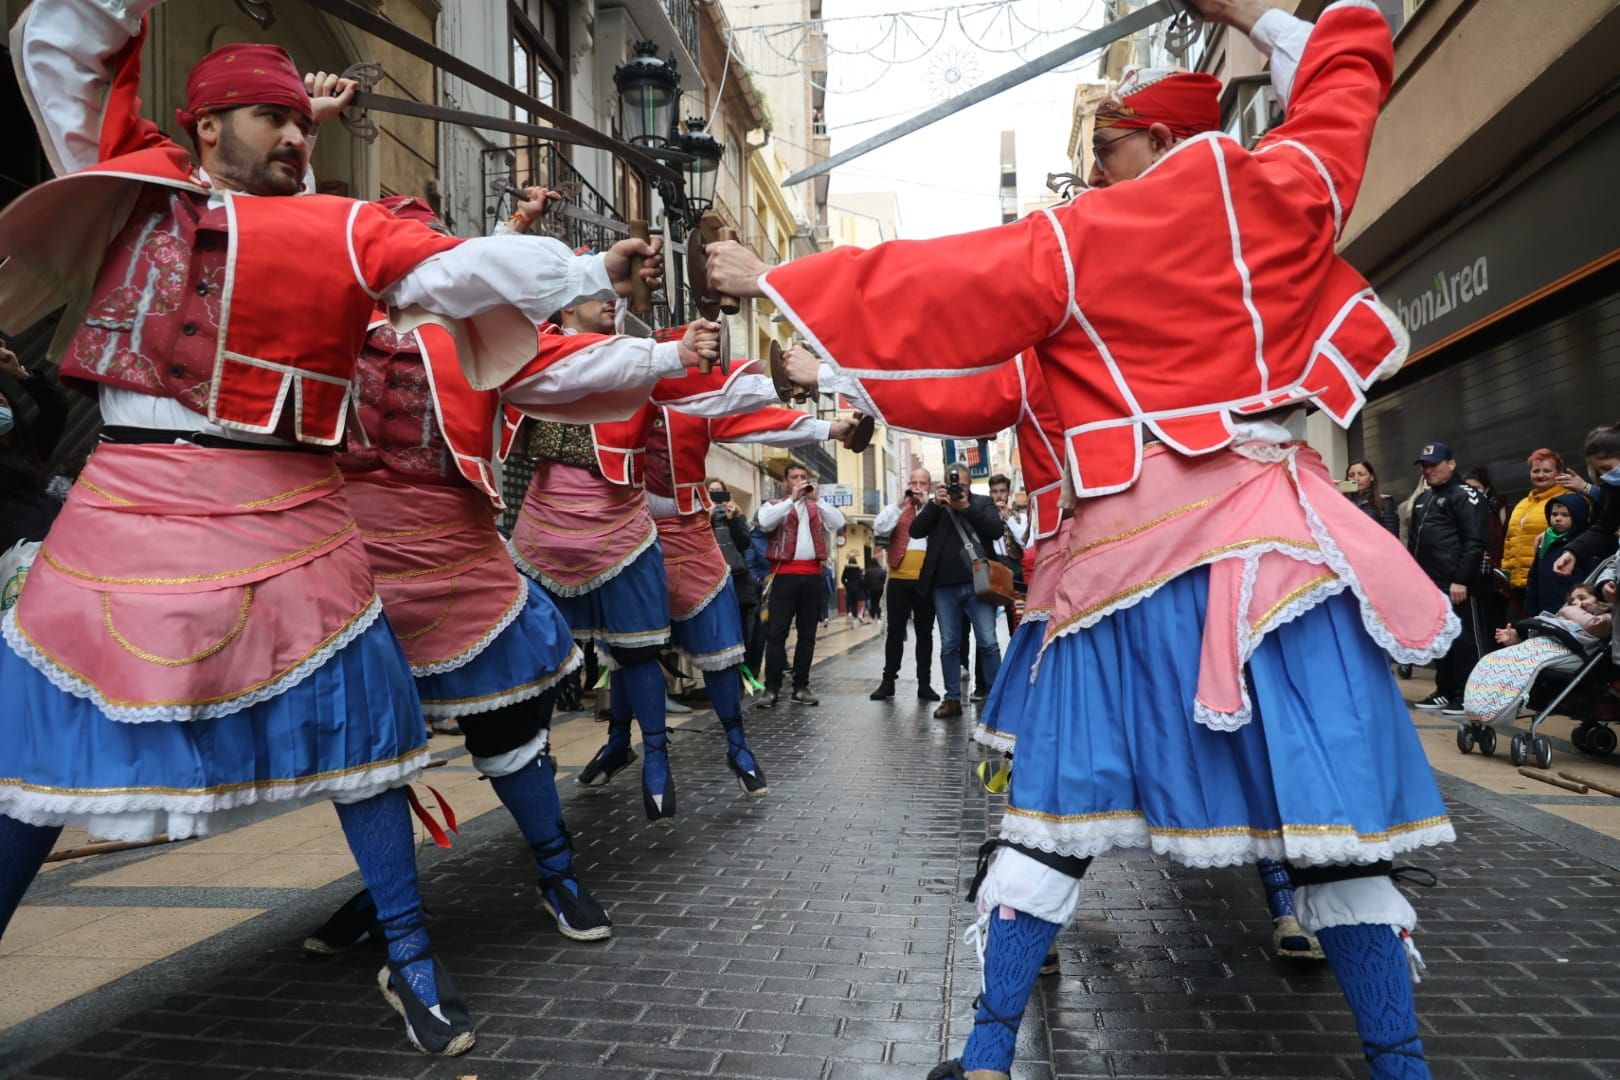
1170 306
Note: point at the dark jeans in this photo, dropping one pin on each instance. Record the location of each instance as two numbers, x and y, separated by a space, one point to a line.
952 602
909 604
1451 671
796 602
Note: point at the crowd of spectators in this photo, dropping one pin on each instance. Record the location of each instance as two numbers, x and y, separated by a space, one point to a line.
1499 563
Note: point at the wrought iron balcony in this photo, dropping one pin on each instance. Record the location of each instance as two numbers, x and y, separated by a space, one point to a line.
819 461
543 163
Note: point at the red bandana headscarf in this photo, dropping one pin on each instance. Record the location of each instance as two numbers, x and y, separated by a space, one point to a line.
1186 102
234 75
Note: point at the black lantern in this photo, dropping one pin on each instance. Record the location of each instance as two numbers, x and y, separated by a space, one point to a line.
701 172
650 89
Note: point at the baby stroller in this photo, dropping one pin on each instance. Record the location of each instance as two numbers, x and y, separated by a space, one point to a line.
1568 675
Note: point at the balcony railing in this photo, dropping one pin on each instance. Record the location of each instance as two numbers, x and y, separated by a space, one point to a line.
544 163
819 461
683 15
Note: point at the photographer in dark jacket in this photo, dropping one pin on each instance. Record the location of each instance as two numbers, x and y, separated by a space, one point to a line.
731 532
26 506
1449 524
947 576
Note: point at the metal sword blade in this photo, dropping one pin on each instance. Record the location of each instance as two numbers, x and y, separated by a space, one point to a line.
1097 39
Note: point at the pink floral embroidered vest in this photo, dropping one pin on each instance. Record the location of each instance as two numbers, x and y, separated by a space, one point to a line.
153 320
395 405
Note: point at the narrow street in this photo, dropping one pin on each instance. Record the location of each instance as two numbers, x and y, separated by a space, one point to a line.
816 933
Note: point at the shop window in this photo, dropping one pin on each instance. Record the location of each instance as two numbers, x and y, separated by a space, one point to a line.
539 43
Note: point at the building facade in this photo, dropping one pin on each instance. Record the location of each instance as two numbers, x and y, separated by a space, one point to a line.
1485 223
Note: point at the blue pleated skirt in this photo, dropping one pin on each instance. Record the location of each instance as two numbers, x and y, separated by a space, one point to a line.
351 728
997 726
629 608
523 661
712 636
1329 770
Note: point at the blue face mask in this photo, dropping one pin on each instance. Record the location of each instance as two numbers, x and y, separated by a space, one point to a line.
6 421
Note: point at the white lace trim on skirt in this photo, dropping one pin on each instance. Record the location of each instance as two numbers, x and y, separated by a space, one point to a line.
451 707
141 814
1306 845
557 588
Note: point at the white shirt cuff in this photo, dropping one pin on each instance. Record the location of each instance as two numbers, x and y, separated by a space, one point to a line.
1281 39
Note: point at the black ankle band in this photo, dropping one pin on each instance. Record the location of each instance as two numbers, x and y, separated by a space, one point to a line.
1068 865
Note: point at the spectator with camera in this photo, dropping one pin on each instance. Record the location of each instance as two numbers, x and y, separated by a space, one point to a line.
797 528
959 527
731 532
909 602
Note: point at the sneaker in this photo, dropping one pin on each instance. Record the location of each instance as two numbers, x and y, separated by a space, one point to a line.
884 692
675 708
1289 939
579 917
949 709
768 699
444 726
1404 670
605 765
352 924
980 692
1051 966
804 697
1454 709
926 693
445 1030
1432 703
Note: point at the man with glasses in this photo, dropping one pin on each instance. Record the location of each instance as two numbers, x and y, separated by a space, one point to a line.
1212 680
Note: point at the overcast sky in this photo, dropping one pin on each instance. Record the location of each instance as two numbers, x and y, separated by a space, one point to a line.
948 175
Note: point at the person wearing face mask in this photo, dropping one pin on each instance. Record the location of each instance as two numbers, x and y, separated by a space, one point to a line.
26 506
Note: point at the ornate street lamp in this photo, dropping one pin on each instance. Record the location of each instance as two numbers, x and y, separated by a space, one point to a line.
649 89
703 170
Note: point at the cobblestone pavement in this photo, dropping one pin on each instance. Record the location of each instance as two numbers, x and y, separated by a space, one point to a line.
817 934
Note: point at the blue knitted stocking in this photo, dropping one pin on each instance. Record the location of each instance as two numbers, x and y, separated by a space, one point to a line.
1279 887
1370 963
644 687
379 833
725 692
619 706
1012 963
530 794
22 852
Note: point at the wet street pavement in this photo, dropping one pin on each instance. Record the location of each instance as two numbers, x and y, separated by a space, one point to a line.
817 933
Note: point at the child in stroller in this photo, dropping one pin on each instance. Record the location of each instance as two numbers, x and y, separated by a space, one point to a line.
1571 641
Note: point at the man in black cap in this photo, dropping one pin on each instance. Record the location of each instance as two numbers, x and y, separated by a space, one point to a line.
1448 540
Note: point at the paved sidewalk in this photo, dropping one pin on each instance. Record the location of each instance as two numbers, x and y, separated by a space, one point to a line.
816 933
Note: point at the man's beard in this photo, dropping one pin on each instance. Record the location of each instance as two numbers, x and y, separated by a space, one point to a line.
253 174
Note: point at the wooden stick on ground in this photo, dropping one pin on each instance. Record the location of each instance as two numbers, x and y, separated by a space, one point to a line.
1593 784
103 847
1549 777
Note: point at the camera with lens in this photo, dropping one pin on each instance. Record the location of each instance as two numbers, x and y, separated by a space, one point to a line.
956 491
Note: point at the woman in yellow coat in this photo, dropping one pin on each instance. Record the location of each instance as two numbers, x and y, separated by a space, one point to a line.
1529 518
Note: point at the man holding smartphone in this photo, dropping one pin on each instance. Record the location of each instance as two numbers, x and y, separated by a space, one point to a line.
797 527
908 601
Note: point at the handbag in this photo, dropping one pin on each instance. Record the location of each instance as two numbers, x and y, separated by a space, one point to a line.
992 579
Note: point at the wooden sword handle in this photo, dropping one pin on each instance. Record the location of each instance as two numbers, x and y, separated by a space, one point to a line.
714 229
640 291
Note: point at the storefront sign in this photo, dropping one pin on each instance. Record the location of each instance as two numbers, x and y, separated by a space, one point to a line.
1555 224
839 495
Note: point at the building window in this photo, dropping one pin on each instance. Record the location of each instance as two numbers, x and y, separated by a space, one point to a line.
539 43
